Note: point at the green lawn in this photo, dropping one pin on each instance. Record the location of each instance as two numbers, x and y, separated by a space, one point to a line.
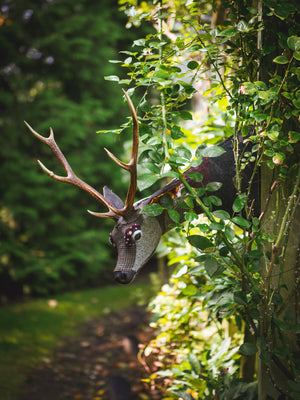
29 331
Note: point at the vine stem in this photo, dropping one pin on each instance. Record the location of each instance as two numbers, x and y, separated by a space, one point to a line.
283 228
231 248
211 217
162 96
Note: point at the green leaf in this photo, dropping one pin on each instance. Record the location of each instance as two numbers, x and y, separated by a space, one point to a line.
195 176
194 362
255 254
151 167
112 78
152 210
186 115
213 151
212 267
239 203
248 349
294 43
184 153
242 26
139 42
174 215
221 214
182 271
190 290
190 216
242 222
213 186
146 180
229 32
296 103
166 201
229 232
200 242
297 55
281 60
193 65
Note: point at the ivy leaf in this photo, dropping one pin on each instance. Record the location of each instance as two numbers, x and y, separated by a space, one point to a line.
152 210
213 151
200 242
281 60
248 349
297 55
239 203
294 43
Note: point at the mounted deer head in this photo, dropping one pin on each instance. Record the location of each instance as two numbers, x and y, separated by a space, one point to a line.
135 235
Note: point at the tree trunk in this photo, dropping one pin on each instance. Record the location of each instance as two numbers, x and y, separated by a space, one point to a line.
273 376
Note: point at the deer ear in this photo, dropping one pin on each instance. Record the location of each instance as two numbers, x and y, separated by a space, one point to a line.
113 198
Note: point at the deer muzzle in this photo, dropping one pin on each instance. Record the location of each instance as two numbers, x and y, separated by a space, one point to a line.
124 277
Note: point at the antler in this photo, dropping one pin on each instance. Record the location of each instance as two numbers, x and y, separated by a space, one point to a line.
74 180
131 166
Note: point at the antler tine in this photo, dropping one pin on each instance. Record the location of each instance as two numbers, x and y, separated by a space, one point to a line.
71 177
131 166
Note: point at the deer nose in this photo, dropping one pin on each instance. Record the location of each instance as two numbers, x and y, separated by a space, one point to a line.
124 276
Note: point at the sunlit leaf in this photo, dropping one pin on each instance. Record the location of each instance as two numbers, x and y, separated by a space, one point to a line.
112 78
213 151
190 290
146 180
294 43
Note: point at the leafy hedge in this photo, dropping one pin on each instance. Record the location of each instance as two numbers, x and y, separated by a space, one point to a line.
232 297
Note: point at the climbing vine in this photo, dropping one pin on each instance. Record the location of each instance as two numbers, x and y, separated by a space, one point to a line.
209 70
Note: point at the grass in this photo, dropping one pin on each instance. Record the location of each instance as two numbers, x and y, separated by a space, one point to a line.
29 331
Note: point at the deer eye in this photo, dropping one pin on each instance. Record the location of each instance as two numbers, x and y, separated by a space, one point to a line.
136 236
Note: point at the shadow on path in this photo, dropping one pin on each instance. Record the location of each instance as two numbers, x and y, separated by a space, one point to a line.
100 364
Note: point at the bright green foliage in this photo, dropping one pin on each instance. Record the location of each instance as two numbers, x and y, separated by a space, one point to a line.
54 56
246 63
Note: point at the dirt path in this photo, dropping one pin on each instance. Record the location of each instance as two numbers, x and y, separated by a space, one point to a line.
101 364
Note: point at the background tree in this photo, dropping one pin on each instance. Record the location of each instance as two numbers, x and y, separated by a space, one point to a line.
54 56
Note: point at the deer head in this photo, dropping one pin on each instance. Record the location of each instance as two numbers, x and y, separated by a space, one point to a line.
135 236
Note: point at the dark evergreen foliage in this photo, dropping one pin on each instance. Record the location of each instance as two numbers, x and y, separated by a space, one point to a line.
54 56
